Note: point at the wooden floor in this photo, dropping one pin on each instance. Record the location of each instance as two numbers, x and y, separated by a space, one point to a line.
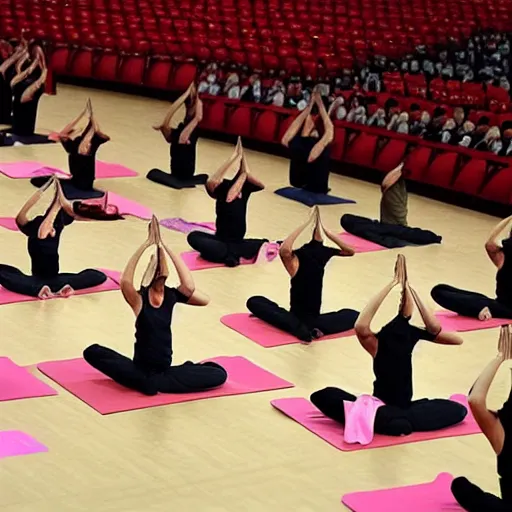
237 453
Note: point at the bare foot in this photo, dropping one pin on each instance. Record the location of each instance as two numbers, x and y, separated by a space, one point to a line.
45 293
66 291
485 314
157 127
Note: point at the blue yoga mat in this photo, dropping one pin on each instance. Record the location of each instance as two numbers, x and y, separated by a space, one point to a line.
310 198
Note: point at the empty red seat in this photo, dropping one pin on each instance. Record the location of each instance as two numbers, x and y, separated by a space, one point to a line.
239 120
266 126
499 187
471 177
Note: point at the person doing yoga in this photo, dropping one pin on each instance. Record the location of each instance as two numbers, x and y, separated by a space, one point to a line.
477 305
27 87
81 146
150 371
497 428
306 267
391 349
308 141
183 141
9 57
231 195
392 230
43 233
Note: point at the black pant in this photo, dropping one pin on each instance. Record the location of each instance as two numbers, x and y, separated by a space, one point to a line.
473 499
387 235
186 378
421 416
69 188
16 281
467 303
211 248
328 323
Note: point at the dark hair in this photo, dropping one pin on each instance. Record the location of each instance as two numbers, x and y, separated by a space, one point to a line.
414 107
95 212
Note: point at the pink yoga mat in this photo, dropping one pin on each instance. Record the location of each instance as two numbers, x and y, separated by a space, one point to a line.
195 262
28 169
112 283
32 169
129 207
107 397
307 415
453 322
106 170
15 442
435 496
17 383
361 245
9 223
264 334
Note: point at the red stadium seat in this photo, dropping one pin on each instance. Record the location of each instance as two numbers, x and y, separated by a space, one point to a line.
107 67
471 177
182 76
158 74
499 188
81 63
266 126
131 70
239 120
441 171
360 148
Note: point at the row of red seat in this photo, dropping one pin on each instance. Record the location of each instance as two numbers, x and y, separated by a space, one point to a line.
454 168
264 33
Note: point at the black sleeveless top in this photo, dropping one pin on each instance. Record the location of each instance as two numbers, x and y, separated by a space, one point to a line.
504 275
153 338
231 222
24 114
505 457
392 366
307 284
44 253
82 167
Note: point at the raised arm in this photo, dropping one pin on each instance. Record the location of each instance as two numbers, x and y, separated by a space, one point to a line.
391 178
296 125
236 189
16 55
346 250
28 93
96 127
494 250
165 125
232 164
363 329
70 127
488 421
289 259
432 324
328 135
22 74
194 122
250 177
130 293
22 217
